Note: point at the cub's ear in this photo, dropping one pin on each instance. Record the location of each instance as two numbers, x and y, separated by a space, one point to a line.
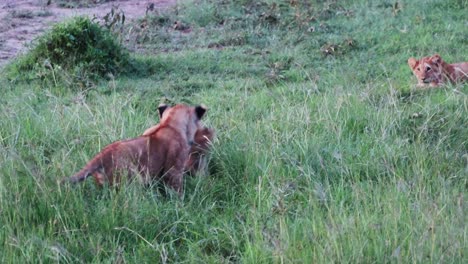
200 111
436 58
206 132
412 62
161 109
210 134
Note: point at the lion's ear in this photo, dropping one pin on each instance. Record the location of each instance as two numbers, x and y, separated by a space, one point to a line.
436 58
412 62
161 109
200 111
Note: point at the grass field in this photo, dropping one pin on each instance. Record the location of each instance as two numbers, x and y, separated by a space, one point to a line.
325 152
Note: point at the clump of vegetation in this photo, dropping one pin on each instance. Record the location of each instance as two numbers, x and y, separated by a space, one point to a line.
79 46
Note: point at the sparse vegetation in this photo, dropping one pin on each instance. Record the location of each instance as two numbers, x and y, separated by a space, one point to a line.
80 3
320 157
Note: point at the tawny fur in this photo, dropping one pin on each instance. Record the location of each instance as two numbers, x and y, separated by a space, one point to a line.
162 153
434 71
199 149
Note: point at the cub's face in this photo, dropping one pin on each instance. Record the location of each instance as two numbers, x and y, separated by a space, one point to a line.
427 70
182 117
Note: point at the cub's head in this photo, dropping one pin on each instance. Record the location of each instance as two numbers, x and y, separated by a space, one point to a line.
427 70
183 118
197 161
203 139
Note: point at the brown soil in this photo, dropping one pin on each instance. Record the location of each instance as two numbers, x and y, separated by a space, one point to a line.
22 20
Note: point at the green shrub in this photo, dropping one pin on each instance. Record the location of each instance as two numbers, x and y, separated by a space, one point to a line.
79 46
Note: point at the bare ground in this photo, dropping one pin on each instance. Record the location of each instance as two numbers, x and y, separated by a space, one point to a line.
23 20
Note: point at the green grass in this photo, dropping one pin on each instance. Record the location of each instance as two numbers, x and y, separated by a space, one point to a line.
318 159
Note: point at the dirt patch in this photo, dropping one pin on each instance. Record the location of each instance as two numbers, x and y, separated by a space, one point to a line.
23 20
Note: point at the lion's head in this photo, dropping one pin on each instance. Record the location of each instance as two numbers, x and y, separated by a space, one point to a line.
427 70
184 117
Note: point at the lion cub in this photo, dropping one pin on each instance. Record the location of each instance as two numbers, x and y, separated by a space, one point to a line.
162 153
434 71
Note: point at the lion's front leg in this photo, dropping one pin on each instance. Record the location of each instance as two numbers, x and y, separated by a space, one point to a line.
174 175
175 181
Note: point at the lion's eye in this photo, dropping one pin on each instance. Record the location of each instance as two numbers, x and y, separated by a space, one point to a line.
428 68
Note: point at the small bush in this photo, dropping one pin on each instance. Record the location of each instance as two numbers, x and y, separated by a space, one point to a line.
80 47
